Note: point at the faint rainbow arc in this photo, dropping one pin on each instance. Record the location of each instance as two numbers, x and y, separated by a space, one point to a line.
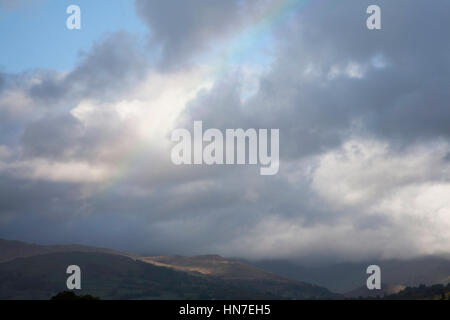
245 41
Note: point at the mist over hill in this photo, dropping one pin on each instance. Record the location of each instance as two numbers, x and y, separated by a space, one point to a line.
347 277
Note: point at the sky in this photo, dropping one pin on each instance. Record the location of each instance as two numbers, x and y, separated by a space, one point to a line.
86 119
37 38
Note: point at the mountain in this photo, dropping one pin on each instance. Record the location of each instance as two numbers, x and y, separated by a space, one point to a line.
111 277
37 274
31 271
214 266
350 278
10 250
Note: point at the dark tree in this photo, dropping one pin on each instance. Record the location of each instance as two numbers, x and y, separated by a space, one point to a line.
69 295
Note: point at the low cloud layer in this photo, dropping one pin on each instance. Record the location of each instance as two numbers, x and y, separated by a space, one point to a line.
364 135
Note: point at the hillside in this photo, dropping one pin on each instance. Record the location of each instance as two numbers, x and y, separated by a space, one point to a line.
30 271
36 274
110 277
10 250
213 265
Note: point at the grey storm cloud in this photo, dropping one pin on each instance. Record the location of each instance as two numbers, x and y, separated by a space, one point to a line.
181 29
402 93
331 81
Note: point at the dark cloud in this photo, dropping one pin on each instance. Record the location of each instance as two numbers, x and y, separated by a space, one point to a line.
391 83
181 29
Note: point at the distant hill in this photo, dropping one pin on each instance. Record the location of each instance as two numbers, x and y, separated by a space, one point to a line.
350 278
36 274
216 268
31 271
10 250
109 277
214 265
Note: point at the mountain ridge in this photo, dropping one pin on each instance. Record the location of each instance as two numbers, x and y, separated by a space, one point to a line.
12 249
35 273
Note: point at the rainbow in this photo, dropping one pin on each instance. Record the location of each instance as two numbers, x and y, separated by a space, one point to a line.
260 34
239 48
